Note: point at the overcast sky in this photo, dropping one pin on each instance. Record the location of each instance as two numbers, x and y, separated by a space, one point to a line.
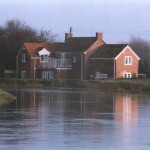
117 19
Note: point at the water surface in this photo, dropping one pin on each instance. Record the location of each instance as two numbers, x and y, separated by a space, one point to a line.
75 120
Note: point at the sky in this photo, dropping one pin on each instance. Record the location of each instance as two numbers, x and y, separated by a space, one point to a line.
118 20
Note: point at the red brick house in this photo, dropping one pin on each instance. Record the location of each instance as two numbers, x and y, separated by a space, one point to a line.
114 61
76 58
57 60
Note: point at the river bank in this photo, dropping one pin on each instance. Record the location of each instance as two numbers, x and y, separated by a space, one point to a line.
131 85
6 98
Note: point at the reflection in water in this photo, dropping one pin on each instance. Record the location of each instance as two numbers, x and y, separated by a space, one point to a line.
126 112
70 120
126 108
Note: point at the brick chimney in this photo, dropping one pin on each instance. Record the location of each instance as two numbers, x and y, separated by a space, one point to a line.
68 35
99 36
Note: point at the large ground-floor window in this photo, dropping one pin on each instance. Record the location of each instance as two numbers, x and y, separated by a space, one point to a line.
127 75
47 74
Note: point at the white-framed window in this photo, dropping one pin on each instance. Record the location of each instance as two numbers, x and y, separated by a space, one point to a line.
23 74
74 59
62 59
44 58
23 57
47 74
127 75
128 60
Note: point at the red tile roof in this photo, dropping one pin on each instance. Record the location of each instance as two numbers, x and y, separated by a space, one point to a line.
34 48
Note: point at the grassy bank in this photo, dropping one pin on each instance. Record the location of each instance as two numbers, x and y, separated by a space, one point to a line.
5 98
132 85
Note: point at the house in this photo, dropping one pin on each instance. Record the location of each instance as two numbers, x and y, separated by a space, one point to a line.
57 60
77 58
114 60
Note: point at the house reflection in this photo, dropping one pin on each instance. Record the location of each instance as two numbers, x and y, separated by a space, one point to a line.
43 99
126 108
126 115
78 113
85 104
33 99
26 99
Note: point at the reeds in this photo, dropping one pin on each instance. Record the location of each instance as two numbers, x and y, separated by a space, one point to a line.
132 85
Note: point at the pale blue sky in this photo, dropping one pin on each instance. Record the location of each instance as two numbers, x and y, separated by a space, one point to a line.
117 19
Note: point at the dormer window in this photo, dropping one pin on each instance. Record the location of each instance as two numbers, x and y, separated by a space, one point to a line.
44 55
44 58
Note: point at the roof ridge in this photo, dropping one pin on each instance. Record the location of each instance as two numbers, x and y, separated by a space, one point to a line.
83 37
108 50
117 44
34 43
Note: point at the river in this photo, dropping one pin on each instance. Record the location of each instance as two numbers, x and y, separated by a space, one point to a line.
75 120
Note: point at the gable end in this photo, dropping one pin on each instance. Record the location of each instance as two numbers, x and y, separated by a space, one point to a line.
22 49
130 50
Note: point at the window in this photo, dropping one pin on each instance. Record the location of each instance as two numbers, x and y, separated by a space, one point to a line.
23 57
23 74
63 60
44 58
47 74
74 59
128 60
127 75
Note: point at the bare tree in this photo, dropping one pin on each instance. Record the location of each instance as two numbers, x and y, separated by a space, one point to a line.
12 36
142 48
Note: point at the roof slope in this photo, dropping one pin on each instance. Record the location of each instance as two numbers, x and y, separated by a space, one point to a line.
74 44
34 48
78 44
108 51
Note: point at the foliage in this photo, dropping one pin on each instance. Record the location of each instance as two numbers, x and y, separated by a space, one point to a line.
12 36
142 48
134 76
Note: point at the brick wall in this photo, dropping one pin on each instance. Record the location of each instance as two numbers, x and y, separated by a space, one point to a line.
23 66
90 51
63 73
121 68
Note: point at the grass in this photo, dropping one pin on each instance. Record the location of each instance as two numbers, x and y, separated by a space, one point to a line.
6 98
132 85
